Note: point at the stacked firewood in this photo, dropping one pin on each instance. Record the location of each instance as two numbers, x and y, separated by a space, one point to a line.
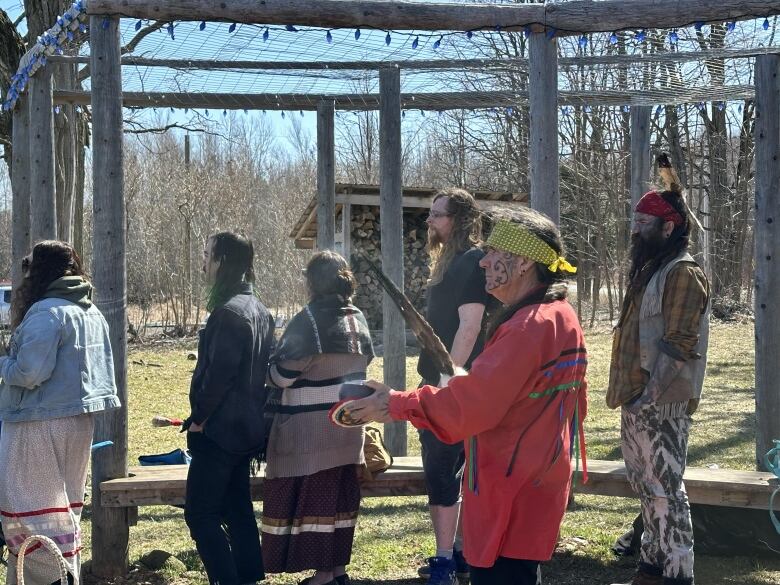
366 243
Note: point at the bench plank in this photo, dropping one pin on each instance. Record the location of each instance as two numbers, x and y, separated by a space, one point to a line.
165 484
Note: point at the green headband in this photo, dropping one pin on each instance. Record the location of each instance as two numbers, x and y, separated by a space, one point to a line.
515 239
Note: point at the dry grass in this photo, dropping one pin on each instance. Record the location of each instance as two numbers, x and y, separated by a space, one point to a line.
394 534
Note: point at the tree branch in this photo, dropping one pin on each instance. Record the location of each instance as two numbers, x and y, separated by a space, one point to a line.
84 72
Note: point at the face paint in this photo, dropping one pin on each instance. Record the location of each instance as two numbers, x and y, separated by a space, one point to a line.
499 267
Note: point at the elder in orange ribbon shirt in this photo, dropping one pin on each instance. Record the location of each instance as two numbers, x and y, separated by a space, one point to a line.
519 410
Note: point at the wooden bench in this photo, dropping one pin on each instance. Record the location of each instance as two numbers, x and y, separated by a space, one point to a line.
165 484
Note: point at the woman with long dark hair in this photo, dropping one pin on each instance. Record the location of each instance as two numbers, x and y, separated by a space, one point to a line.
59 372
519 409
311 493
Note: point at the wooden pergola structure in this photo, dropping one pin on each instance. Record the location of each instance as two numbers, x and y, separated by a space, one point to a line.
33 161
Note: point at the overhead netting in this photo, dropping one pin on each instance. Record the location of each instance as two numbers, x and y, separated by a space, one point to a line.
696 64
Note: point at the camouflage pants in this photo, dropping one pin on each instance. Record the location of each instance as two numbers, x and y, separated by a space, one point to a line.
655 445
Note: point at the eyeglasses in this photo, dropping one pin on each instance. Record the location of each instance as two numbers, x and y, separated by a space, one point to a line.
437 214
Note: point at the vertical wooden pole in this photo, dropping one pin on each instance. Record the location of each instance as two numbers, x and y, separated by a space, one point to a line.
43 199
346 229
543 135
767 135
640 152
391 222
110 528
20 184
326 175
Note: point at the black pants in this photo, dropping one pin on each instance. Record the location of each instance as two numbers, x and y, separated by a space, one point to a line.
219 514
507 572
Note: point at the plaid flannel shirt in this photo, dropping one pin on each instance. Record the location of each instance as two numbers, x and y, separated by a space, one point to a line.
686 295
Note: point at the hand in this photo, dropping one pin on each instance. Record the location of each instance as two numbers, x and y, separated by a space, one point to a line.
649 396
195 428
374 407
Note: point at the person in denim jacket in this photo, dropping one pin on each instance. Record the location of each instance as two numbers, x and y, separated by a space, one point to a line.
59 372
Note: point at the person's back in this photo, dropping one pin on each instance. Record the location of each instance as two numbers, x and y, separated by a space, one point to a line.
225 426
234 348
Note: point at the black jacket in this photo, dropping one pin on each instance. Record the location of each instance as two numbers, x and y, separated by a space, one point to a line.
228 385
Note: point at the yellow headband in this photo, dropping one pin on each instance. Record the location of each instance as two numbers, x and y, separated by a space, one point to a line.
515 239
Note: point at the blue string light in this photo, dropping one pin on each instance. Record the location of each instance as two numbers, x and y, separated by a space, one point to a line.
673 38
527 31
232 27
698 26
658 110
138 25
730 26
387 38
202 25
551 33
170 31
583 42
266 34
329 37
416 42
469 34
301 113
283 116
224 113
613 39
437 44
765 26
105 23
290 28
357 34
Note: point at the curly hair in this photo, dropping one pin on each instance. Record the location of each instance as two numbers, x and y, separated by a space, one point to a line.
49 260
466 230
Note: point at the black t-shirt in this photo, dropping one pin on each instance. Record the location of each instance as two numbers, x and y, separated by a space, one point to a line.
463 283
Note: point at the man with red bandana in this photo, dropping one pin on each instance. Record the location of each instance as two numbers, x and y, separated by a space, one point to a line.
658 360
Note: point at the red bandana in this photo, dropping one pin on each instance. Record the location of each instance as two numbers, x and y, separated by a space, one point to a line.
653 204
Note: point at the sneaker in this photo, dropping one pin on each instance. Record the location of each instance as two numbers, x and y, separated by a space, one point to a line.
461 566
441 571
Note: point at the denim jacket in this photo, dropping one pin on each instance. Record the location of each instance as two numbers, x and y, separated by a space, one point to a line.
60 364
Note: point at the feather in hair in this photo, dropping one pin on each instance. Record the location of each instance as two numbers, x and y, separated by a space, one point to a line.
673 184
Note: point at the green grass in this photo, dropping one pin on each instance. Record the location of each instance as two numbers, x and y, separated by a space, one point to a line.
393 534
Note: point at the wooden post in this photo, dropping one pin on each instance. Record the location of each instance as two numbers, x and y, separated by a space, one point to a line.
640 152
110 527
20 184
346 230
543 142
43 198
391 222
767 134
326 175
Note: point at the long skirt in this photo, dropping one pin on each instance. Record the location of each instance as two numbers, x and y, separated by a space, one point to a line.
309 521
43 470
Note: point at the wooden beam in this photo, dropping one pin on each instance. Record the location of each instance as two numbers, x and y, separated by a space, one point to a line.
468 100
640 151
110 527
43 198
429 64
767 136
391 225
567 17
543 136
326 175
20 185
346 231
